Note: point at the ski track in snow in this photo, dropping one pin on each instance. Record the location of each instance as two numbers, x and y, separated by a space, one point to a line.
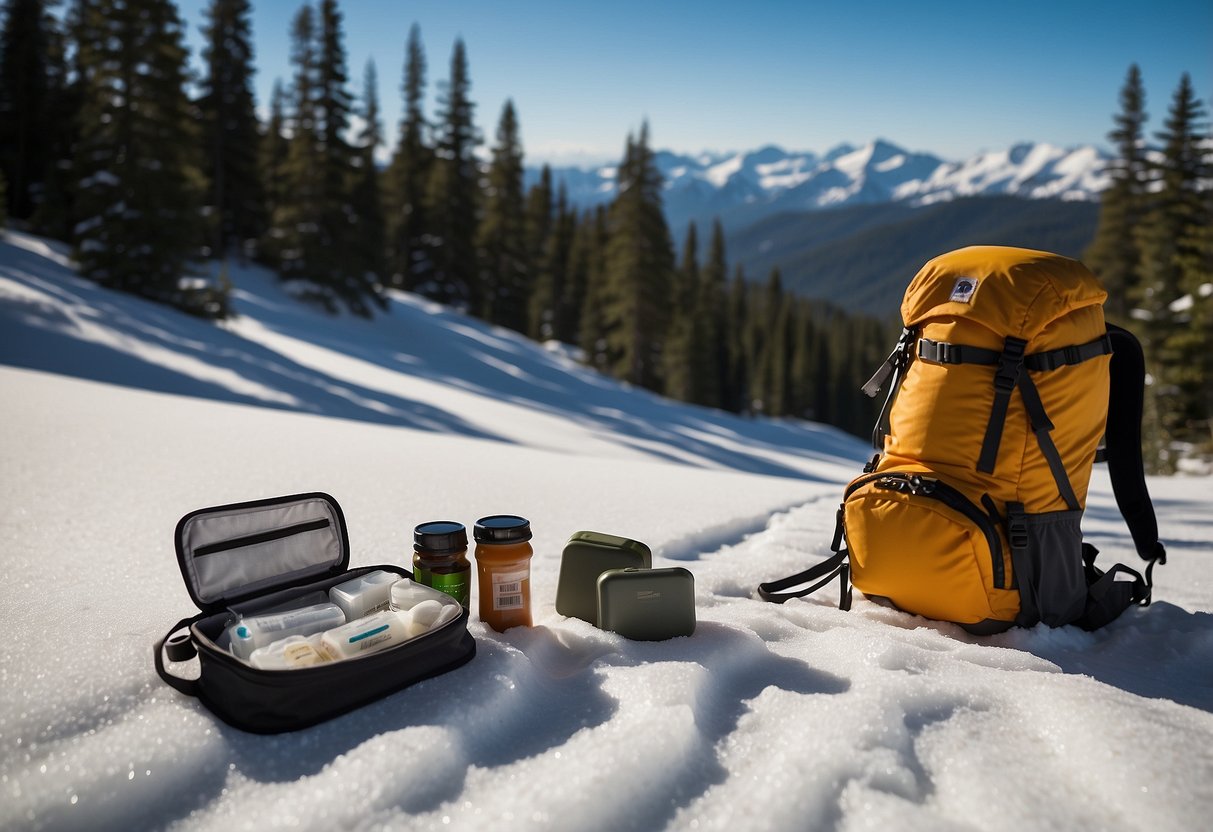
796 716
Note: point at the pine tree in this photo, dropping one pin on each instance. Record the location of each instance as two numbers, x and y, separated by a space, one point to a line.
802 381
777 349
338 275
139 179
273 155
334 106
593 329
678 356
581 251
410 254
766 348
317 225
295 234
737 377
821 399
368 247
54 213
452 193
1113 255
844 369
555 302
1175 266
25 114
639 268
712 309
686 278
235 199
1194 340
540 325
505 270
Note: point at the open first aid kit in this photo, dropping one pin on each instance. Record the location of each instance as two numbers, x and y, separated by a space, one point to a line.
287 634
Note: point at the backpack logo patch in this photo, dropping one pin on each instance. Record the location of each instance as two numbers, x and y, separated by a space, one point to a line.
963 291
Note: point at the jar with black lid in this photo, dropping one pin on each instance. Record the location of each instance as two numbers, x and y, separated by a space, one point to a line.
440 558
503 564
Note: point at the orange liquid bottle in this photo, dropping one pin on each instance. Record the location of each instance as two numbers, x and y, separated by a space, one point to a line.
503 566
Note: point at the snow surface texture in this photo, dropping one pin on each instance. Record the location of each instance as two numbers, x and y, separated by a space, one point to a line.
120 416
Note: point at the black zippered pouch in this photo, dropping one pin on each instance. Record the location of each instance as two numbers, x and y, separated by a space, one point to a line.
270 555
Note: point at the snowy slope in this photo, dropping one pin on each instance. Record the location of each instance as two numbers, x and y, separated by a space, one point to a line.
121 416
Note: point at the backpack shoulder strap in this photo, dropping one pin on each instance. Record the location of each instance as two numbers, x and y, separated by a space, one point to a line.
1123 438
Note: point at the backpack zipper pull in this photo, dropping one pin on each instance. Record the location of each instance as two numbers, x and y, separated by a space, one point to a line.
915 484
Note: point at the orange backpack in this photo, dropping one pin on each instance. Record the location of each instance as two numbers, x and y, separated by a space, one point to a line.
1001 383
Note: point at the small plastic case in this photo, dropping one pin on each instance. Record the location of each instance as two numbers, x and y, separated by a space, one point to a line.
647 604
363 596
586 556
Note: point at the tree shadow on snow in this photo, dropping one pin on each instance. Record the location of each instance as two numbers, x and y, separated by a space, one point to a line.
84 333
64 324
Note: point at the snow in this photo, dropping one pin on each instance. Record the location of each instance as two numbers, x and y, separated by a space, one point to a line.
101 177
720 174
121 416
772 179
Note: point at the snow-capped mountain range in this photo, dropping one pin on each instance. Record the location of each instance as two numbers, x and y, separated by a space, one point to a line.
747 185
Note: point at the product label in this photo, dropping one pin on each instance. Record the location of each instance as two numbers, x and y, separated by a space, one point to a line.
301 654
962 291
454 584
368 639
507 589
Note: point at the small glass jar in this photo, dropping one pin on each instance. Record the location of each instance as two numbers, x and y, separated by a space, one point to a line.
503 564
440 558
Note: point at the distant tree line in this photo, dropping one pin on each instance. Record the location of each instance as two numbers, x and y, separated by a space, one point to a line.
102 145
1153 251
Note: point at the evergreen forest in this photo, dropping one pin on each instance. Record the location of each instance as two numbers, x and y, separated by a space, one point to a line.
110 143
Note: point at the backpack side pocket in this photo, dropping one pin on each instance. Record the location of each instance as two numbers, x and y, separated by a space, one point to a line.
1046 554
927 548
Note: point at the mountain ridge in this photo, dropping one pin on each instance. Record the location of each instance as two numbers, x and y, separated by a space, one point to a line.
743 187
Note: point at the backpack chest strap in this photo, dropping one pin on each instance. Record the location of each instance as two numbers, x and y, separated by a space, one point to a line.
943 352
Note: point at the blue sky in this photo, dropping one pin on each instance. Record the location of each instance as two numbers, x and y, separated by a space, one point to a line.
946 77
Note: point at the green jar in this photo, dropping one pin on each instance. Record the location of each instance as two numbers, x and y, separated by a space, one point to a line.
440 558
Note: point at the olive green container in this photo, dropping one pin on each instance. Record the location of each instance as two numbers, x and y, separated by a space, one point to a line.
647 604
586 556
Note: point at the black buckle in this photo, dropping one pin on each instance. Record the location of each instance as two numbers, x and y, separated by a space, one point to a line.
902 350
1018 535
939 352
1073 354
1017 527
